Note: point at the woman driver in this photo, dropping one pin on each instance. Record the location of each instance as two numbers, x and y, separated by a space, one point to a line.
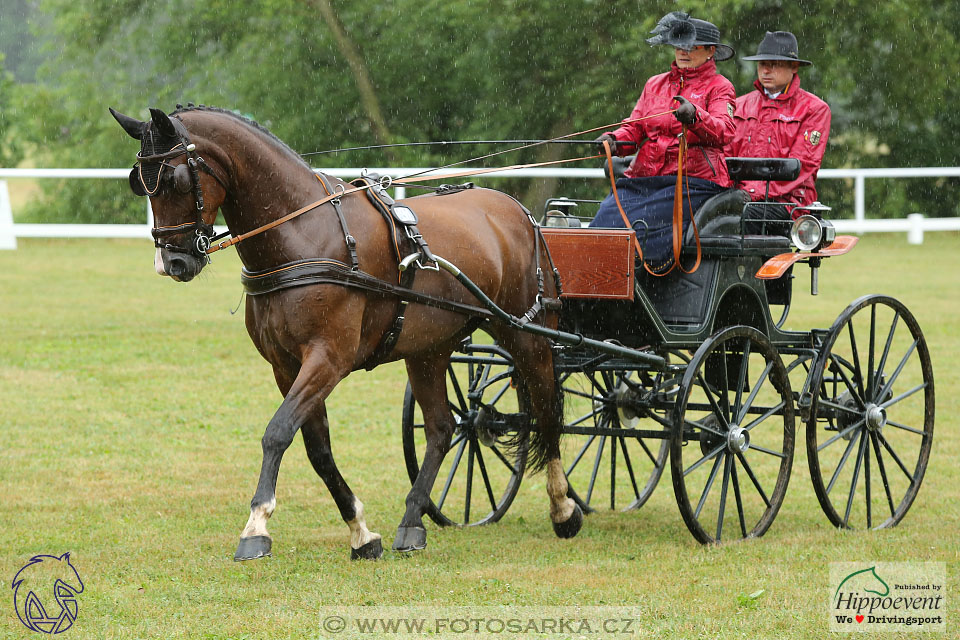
704 102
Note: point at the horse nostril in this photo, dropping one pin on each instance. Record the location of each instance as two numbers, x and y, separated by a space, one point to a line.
177 268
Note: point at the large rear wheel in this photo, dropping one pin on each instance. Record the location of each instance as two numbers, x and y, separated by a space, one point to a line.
871 415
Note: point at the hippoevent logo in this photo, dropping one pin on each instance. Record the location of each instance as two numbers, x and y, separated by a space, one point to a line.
887 596
45 594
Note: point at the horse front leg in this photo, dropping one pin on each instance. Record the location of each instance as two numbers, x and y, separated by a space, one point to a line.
313 383
428 381
364 544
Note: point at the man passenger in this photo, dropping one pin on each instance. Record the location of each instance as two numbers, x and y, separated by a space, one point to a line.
780 120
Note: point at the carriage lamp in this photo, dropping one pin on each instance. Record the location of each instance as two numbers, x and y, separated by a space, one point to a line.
810 233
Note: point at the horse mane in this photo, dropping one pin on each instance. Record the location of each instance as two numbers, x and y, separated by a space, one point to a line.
244 120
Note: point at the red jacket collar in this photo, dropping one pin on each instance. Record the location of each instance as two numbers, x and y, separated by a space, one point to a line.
792 89
706 70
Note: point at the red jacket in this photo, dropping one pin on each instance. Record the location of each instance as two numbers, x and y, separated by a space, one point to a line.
712 95
795 124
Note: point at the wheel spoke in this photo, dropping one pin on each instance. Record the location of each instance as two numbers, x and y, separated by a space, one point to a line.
713 403
866 481
741 379
503 458
704 459
706 487
859 423
886 349
858 372
896 373
896 458
871 354
700 425
883 472
596 467
723 495
579 455
753 394
486 479
455 382
496 398
725 391
891 423
590 414
626 460
453 472
769 412
471 444
769 452
753 478
856 477
837 360
903 396
843 460
646 449
736 494
613 472
839 407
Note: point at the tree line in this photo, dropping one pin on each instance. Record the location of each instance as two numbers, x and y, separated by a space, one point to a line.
324 74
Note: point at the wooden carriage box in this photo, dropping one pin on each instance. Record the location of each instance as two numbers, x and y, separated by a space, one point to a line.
593 263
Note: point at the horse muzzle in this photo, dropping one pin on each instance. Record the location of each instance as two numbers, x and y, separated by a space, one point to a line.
180 265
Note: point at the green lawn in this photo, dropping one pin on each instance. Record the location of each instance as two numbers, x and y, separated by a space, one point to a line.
131 410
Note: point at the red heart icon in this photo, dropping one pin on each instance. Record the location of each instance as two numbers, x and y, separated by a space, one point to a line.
859 618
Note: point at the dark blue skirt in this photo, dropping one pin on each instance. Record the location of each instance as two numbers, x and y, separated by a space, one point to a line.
648 203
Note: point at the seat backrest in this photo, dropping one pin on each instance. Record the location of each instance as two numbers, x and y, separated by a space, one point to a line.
720 215
777 169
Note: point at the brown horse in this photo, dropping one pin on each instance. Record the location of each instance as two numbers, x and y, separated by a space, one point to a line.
199 159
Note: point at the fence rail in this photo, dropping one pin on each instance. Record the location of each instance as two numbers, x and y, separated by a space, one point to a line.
914 224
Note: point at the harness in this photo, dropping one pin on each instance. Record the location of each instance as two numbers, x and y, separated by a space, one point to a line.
147 176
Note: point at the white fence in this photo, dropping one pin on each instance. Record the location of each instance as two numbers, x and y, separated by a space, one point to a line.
915 224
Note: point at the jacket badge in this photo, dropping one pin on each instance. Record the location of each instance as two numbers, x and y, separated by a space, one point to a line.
814 137
730 109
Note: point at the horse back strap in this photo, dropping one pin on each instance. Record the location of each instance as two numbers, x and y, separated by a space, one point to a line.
347 238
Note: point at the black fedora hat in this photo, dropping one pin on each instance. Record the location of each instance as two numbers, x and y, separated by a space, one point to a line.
779 45
679 30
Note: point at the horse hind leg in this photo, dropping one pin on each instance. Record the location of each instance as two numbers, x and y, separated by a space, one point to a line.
428 381
364 544
533 359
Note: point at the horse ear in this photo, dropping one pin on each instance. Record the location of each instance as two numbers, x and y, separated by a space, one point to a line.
162 121
132 126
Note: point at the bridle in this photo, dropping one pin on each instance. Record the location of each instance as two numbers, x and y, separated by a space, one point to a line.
185 179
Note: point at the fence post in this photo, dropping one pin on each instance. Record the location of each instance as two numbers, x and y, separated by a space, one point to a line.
915 234
8 239
858 202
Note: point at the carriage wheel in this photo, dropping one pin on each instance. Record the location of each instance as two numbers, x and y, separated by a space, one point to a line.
733 437
872 415
605 468
480 475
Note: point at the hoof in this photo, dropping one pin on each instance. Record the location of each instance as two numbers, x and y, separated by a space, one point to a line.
252 548
572 526
370 551
410 539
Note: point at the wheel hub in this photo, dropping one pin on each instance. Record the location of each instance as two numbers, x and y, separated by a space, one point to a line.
876 417
738 439
626 398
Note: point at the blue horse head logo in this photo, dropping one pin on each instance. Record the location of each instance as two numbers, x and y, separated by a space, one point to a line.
45 593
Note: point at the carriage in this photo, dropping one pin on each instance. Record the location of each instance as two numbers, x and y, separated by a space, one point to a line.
637 369
708 380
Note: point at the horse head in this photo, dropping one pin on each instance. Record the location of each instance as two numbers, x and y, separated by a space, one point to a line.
185 191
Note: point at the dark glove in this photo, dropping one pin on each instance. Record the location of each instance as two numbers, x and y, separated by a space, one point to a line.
686 112
607 137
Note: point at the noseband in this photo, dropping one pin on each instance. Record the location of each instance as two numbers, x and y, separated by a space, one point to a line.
185 179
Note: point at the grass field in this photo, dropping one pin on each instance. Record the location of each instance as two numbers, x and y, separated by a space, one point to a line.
131 410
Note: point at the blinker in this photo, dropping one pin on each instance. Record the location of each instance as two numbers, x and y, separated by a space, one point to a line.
135 185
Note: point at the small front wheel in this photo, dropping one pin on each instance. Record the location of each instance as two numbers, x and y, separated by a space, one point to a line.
733 437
